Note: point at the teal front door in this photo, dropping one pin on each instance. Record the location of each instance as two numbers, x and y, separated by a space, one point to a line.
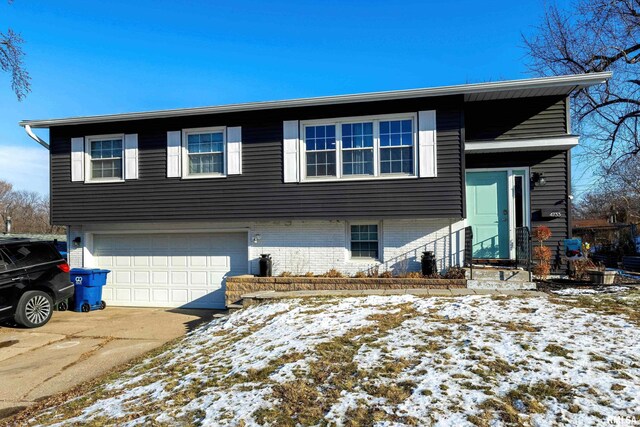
488 213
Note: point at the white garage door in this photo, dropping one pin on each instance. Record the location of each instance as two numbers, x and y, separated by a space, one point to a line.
169 270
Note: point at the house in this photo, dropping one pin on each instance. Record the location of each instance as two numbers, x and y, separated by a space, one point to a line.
174 201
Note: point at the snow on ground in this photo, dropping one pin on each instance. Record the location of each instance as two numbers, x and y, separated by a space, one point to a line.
387 361
590 291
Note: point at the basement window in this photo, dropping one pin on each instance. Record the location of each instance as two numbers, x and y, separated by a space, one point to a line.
364 241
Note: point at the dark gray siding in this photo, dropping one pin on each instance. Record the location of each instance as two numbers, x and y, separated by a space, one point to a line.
516 118
554 195
259 193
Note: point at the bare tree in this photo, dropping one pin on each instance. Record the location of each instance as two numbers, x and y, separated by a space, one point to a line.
29 211
594 36
618 195
12 61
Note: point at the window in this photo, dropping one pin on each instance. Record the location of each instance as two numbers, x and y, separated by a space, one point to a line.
106 156
396 147
364 241
357 149
5 262
320 143
362 147
31 254
205 153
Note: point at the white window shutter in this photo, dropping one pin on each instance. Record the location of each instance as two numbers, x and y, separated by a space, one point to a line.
77 159
131 156
427 150
290 150
234 151
174 149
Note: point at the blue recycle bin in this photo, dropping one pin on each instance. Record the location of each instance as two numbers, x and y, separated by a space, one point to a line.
88 288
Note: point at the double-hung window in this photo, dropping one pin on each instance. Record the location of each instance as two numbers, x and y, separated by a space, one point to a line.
205 153
396 147
357 148
105 158
364 241
320 144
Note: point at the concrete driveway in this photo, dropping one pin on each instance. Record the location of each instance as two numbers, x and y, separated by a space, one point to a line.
75 347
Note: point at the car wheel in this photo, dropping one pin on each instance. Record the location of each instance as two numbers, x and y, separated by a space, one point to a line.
34 309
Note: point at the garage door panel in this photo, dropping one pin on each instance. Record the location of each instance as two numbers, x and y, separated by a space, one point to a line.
160 278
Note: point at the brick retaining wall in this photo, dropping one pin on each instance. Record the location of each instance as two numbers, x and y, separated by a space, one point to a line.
240 285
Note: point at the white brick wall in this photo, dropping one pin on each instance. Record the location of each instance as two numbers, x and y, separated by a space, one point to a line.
75 253
315 246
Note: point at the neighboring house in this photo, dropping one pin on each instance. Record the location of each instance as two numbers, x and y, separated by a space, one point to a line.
174 201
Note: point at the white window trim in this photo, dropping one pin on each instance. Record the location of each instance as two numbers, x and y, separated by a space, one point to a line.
376 148
368 260
185 152
87 158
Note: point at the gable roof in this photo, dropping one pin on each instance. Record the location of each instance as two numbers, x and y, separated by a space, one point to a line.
542 86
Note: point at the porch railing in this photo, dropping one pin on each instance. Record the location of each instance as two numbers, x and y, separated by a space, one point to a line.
468 250
523 248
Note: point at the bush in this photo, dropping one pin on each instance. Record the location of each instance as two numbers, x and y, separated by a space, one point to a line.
373 271
542 233
541 253
413 275
333 273
360 275
386 275
308 274
286 274
454 273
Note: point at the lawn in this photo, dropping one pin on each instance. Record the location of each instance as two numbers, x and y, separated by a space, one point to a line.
388 361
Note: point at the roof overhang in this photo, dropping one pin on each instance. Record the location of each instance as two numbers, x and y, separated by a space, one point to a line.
543 86
534 144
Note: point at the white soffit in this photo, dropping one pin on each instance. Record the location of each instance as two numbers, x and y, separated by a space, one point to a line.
538 144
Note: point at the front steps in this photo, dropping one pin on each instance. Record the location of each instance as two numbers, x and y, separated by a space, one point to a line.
498 278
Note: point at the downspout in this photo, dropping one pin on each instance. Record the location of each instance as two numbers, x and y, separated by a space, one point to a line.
35 137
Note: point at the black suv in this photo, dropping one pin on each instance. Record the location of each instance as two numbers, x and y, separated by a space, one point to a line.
33 279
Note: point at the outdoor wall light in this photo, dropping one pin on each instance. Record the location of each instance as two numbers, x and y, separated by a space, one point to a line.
256 238
538 179
77 241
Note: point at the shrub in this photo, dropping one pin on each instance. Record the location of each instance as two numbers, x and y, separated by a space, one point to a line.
333 273
360 275
386 275
541 253
309 274
286 274
413 275
374 271
454 273
542 233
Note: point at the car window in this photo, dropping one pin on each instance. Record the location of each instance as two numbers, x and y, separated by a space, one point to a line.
5 263
31 254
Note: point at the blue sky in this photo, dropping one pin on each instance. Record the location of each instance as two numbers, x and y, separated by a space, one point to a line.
96 57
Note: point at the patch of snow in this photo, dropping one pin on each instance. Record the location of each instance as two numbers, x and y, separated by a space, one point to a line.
457 354
590 291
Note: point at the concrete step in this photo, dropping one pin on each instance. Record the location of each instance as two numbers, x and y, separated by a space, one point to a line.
501 285
507 275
